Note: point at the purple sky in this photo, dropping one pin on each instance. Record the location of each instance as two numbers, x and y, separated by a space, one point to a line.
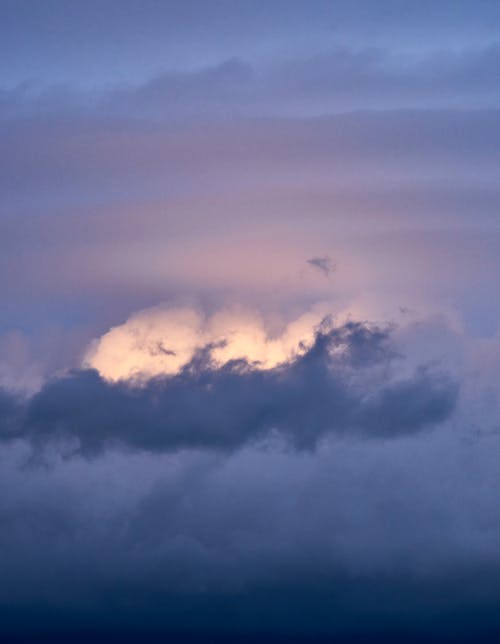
249 341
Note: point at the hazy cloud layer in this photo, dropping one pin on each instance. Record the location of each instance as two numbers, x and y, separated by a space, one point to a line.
124 206
336 79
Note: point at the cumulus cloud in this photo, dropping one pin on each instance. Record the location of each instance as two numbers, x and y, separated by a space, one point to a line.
342 382
162 340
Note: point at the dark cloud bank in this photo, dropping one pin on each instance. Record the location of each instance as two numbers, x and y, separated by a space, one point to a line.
193 520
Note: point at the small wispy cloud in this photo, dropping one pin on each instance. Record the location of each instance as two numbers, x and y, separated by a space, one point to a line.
325 264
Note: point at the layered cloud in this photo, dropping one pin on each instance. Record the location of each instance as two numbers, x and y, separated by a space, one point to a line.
338 78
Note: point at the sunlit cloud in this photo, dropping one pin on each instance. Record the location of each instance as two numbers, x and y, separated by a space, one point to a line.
162 340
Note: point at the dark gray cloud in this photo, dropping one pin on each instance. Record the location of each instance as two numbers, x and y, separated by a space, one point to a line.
341 384
324 264
9 407
360 537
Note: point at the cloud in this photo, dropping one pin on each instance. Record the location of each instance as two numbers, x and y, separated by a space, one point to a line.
334 79
212 90
357 532
324 264
162 340
342 383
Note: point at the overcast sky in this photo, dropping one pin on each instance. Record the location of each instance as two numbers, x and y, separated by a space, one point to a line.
249 340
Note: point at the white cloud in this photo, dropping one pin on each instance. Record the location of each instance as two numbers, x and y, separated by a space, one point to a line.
161 340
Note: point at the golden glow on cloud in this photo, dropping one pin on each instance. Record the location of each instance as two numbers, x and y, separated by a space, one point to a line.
160 341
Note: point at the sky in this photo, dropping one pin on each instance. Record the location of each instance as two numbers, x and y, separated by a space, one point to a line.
249 329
